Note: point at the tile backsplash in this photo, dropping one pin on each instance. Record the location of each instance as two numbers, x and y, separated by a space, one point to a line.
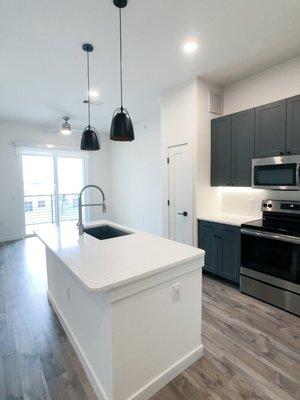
247 201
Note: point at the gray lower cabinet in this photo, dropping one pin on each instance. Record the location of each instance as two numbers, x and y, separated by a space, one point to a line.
270 129
208 241
222 244
293 125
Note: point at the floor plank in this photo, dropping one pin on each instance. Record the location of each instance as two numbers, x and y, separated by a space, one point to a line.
251 349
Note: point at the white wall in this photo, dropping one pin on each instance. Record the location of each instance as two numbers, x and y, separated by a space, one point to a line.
208 198
178 126
273 84
136 178
270 85
11 198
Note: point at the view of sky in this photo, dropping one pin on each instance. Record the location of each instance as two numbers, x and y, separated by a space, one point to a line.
39 177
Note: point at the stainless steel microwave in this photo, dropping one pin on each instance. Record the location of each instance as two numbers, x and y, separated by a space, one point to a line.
277 173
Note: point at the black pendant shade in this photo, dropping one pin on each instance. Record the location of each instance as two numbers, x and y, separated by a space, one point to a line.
121 129
121 126
90 137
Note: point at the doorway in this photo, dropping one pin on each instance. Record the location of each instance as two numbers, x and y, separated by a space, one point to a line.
51 186
180 189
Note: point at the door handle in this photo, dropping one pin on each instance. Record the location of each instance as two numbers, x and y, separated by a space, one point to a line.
184 213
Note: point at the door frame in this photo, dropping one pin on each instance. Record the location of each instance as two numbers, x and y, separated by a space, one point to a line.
55 154
194 194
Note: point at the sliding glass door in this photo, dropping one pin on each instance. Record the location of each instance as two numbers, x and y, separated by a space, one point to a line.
51 189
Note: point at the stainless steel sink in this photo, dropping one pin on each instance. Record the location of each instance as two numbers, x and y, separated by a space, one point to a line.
104 232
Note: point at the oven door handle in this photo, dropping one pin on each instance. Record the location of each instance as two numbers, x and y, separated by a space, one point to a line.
270 235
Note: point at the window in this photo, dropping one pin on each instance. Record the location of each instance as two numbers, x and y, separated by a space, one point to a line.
28 206
41 203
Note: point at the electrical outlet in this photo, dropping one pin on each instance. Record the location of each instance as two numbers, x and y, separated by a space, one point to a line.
176 292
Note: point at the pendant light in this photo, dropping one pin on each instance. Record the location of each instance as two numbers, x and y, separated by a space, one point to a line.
90 138
121 129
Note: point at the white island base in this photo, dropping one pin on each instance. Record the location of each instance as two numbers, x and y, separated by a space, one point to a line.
135 337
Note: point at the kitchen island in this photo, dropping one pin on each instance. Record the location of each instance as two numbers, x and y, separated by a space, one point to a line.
130 303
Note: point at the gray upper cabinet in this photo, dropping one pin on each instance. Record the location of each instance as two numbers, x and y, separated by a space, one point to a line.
221 151
267 131
242 147
293 125
270 129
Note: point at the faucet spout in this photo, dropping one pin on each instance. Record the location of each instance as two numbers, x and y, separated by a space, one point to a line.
80 223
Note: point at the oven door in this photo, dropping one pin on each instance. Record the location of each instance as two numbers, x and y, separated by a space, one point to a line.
270 257
281 173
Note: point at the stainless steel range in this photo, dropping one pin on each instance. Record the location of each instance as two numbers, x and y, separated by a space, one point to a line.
270 258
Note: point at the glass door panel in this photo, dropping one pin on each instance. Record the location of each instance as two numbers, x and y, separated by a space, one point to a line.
39 194
51 189
70 176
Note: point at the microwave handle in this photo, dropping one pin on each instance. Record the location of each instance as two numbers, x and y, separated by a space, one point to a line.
270 235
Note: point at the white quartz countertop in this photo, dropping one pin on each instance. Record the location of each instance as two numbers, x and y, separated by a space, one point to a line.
229 219
104 264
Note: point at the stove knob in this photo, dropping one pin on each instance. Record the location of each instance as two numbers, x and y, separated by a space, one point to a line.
270 205
265 205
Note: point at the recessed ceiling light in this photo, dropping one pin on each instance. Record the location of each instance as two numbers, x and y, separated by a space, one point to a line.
66 131
190 47
93 93
50 146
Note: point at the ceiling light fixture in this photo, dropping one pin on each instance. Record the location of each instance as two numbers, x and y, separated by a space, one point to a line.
121 129
66 127
94 93
90 137
190 47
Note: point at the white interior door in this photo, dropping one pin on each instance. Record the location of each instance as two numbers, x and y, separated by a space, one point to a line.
180 194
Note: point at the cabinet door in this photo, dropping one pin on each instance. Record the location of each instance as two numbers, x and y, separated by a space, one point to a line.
229 253
293 125
242 147
207 240
270 129
221 151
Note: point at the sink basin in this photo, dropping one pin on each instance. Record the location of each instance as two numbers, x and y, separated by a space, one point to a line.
104 232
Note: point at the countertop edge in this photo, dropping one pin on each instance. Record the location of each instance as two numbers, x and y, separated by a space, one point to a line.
223 219
124 282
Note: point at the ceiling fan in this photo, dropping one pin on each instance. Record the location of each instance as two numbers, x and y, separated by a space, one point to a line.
66 128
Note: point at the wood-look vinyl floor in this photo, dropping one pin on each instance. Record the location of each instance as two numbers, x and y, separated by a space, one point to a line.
252 350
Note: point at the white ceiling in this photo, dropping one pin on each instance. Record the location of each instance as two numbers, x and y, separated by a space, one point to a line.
42 68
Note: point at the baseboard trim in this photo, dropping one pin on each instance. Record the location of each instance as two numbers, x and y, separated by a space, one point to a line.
98 388
12 238
168 375
146 391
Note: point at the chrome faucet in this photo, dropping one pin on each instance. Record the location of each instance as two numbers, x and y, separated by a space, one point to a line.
80 224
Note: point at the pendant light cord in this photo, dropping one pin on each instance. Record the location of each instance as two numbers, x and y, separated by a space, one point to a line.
121 57
88 84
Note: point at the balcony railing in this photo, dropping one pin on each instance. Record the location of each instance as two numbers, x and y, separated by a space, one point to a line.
42 209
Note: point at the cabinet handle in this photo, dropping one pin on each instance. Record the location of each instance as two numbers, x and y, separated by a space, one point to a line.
220 237
281 153
288 152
